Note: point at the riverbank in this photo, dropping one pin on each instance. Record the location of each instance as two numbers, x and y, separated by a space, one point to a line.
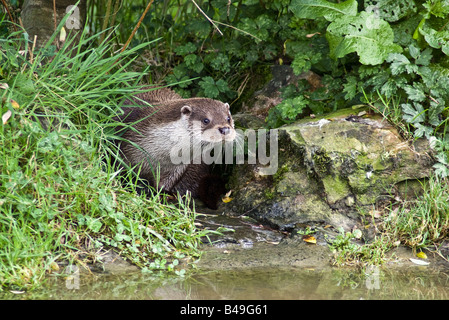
255 263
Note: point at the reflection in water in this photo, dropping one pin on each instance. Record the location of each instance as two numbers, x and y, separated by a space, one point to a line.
256 284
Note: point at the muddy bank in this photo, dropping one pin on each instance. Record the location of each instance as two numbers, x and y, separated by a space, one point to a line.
249 245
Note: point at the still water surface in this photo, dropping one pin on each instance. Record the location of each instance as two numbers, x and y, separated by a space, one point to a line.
256 284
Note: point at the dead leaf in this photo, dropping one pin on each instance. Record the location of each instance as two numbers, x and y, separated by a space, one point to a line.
54 266
361 113
62 35
309 239
419 262
16 291
226 199
14 104
310 35
6 116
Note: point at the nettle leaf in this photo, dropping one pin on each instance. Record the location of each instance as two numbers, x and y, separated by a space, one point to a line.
413 113
304 61
263 27
312 9
219 62
370 37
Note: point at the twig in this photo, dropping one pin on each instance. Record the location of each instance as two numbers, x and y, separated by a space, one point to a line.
54 20
54 13
32 49
9 14
209 19
240 30
137 26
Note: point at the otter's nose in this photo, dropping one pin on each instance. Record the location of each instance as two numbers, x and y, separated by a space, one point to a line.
224 131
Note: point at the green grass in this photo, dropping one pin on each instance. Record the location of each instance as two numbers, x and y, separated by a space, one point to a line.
60 196
347 252
423 221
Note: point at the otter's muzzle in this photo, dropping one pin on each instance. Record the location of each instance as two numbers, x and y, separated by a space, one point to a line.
225 130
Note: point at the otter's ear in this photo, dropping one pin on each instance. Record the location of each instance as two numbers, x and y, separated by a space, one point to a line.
227 105
186 111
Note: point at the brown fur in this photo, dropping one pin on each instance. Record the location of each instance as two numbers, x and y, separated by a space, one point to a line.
158 128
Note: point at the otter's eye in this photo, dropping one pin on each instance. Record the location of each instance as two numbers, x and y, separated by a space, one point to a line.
206 121
229 119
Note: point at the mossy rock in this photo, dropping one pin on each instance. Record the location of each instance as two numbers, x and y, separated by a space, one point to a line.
327 168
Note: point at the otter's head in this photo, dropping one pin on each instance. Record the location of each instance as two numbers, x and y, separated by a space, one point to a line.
210 118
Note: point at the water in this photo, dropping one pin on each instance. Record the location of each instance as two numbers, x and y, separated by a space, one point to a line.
253 263
416 283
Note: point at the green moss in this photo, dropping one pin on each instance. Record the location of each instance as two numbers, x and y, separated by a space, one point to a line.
269 194
336 188
280 172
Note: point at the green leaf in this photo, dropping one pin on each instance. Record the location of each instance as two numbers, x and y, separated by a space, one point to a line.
390 10
222 85
423 130
185 49
400 64
193 62
301 63
413 113
436 39
414 93
290 108
93 224
441 170
370 37
350 87
434 113
424 57
312 9
209 87
439 8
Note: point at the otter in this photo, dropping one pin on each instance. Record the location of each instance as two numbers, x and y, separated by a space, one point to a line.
171 126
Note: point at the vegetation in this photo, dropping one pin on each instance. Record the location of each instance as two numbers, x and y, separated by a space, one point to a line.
348 252
59 191
60 198
365 51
